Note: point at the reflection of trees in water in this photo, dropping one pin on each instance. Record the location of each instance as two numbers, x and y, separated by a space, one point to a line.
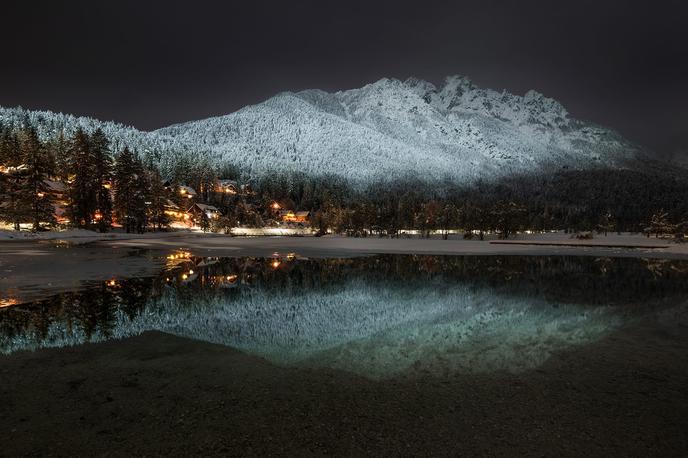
90 311
581 280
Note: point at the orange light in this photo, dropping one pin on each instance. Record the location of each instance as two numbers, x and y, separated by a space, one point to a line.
275 264
111 283
276 206
41 194
191 272
184 276
8 302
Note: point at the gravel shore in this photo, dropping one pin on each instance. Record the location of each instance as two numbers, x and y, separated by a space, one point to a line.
156 394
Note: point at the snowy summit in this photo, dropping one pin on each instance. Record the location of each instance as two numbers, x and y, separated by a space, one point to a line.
384 130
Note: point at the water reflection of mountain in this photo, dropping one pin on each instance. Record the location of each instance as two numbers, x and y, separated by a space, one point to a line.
567 279
374 315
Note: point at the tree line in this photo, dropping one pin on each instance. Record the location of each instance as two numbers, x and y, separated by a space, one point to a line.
97 186
103 186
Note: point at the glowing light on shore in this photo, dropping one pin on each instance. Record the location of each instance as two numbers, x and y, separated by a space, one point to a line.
8 302
181 255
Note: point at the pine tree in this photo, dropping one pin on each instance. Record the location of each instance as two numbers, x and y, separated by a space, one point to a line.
124 190
102 167
36 195
83 183
131 192
141 197
10 155
158 199
205 222
10 183
12 209
59 149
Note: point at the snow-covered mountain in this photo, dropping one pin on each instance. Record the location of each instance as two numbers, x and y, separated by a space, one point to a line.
382 131
162 150
391 128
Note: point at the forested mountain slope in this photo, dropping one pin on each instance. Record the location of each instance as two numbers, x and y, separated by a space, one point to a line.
387 130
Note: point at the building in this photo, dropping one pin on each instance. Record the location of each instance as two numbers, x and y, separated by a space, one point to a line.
7 170
198 210
227 187
173 211
187 192
289 216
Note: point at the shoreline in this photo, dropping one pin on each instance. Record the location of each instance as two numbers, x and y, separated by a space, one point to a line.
31 270
156 394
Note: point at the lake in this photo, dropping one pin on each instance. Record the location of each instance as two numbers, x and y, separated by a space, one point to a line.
377 316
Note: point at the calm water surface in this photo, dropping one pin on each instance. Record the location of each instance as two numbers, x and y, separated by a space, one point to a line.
378 316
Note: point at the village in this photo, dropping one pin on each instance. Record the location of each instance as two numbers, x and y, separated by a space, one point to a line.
220 206
78 182
187 210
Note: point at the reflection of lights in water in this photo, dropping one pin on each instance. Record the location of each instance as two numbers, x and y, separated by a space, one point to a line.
8 301
373 327
180 255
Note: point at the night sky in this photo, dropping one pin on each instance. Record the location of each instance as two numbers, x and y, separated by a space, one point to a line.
622 64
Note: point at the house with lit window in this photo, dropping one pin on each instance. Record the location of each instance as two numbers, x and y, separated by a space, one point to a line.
227 187
289 216
198 210
187 192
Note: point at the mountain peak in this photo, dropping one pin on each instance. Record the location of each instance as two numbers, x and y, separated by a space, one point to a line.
385 129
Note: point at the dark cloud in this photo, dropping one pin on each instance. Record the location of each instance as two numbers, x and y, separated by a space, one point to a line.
623 64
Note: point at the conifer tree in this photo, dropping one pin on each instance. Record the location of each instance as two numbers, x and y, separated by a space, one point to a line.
36 197
141 197
158 199
131 192
102 167
9 148
12 209
123 184
204 222
59 149
83 183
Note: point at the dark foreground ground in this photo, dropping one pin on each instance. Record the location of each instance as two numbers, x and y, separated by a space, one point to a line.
162 395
